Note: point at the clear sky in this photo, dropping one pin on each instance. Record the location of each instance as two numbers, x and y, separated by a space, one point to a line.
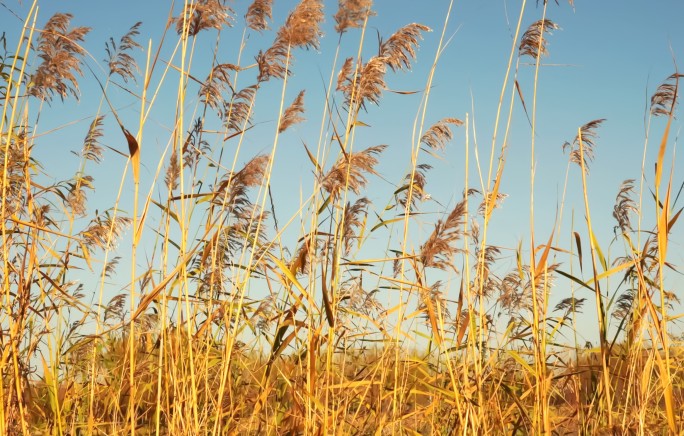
605 61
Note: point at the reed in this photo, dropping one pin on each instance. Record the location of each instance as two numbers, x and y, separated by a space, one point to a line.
192 304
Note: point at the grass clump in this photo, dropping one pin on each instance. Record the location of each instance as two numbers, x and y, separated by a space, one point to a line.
185 301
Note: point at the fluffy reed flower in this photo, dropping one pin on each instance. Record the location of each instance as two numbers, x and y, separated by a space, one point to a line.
217 81
533 43
303 26
418 189
366 82
203 15
400 49
624 205
119 60
664 100
258 13
92 150
584 139
440 133
353 219
440 246
97 234
350 171
292 114
352 14
237 112
59 51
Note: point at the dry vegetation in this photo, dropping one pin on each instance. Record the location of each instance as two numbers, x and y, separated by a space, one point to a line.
225 325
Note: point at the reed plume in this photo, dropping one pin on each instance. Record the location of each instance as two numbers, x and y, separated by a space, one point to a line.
352 14
59 50
258 14
664 100
120 62
350 171
533 42
215 84
303 26
203 15
439 134
439 248
400 48
624 205
293 113
585 139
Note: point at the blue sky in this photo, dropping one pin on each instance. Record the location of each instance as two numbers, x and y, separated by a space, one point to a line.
605 61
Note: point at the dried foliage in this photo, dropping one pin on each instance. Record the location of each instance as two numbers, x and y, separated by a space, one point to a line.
365 83
203 15
533 42
293 113
273 62
400 48
237 112
92 150
59 50
303 25
624 205
231 192
353 219
120 61
218 318
258 14
417 191
664 100
352 14
349 172
216 83
585 139
105 230
437 136
440 247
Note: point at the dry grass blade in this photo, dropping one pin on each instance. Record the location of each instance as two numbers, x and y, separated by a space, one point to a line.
293 113
133 153
533 43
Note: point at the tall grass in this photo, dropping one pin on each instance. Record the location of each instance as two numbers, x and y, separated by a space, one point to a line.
191 305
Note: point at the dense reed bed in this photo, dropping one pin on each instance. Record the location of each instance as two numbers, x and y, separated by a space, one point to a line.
173 293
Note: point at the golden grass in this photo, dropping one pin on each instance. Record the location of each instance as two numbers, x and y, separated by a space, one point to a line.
225 327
